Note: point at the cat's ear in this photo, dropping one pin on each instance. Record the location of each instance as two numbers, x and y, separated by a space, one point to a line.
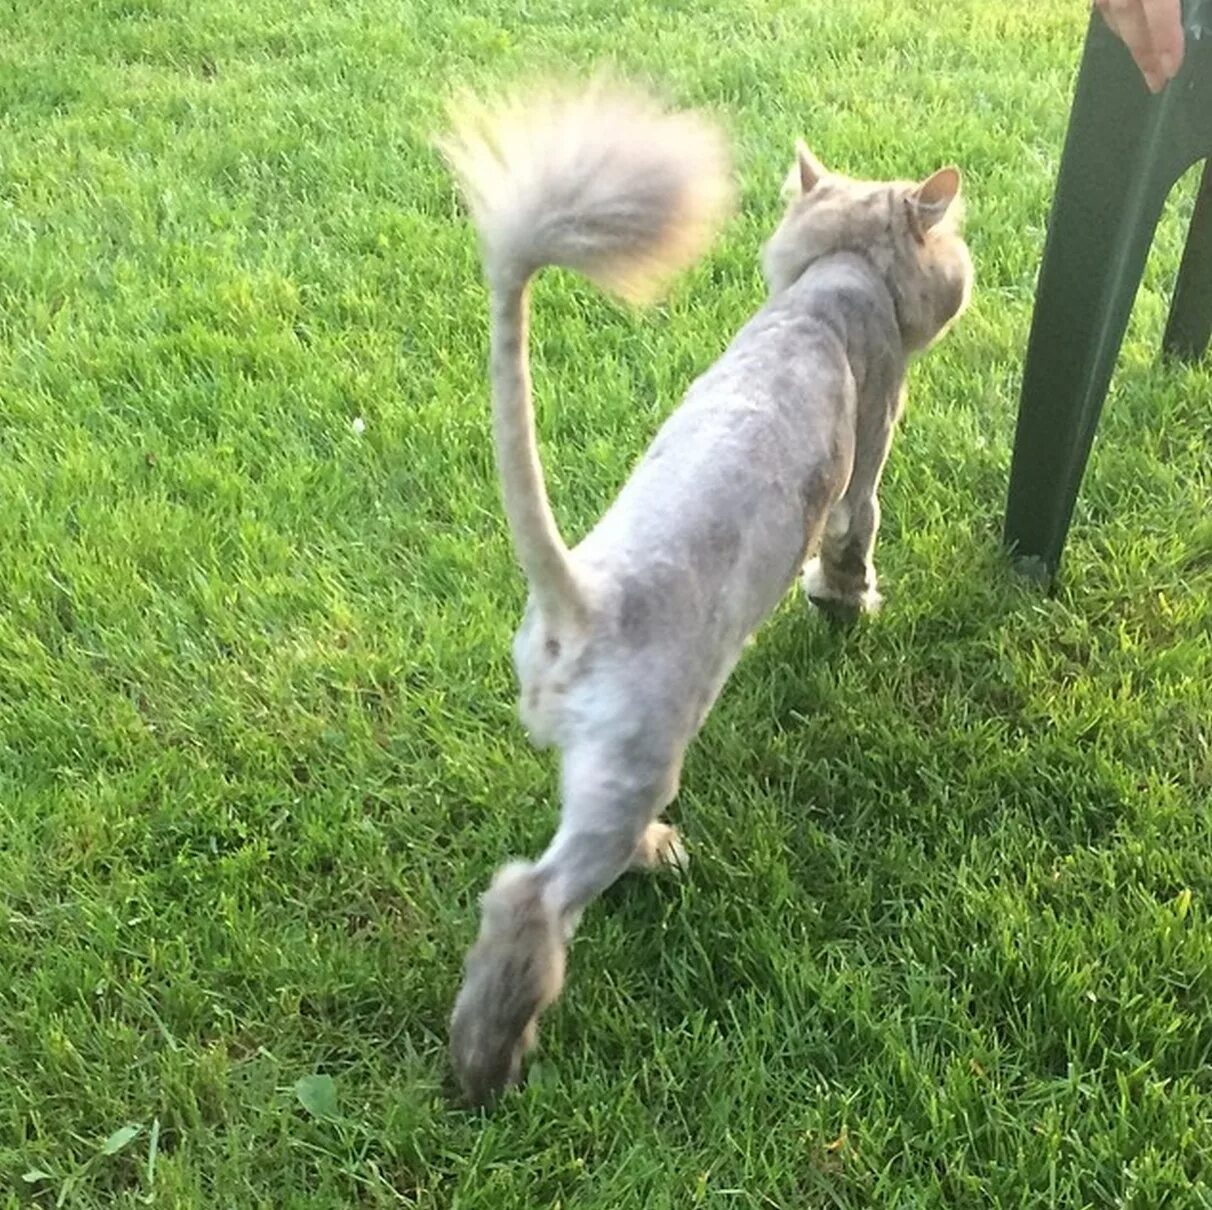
929 202
808 168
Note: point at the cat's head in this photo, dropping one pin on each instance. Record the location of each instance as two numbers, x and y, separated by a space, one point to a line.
909 232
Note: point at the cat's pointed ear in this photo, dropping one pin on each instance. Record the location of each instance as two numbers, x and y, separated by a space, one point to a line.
808 167
929 202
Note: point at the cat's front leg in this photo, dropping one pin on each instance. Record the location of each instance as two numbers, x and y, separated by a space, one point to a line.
841 579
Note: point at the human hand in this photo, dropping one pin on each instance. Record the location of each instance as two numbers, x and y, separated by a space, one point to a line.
1153 31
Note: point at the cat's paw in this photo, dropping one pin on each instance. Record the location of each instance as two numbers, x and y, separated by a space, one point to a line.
661 848
845 607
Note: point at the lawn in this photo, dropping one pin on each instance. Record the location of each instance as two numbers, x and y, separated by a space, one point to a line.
945 941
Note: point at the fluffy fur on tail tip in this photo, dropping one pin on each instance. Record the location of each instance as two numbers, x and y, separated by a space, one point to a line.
598 178
513 972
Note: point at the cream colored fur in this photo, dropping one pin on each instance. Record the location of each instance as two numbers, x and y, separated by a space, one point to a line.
601 180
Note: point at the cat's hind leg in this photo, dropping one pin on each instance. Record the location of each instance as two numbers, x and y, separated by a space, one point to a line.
515 970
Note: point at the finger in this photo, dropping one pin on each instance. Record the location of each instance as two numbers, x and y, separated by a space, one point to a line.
1127 20
1165 21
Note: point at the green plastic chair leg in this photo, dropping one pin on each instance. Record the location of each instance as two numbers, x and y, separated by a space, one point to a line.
1124 150
1190 324
1114 178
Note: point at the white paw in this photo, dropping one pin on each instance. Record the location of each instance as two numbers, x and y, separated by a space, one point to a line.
870 601
813 580
671 853
818 589
661 849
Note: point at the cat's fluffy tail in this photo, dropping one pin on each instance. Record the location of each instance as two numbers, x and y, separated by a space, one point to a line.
599 179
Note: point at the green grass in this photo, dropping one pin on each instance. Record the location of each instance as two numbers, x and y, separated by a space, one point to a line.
946 938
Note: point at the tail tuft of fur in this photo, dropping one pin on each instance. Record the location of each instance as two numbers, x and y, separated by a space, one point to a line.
599 179
513 972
